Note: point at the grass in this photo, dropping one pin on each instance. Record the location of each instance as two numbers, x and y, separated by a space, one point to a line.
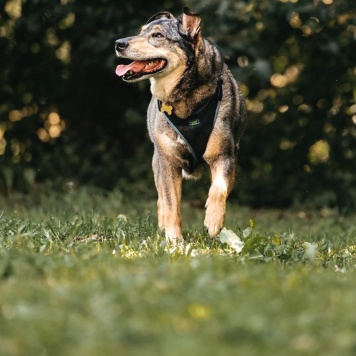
87 273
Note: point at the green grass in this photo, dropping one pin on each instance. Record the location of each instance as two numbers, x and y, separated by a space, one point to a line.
84 273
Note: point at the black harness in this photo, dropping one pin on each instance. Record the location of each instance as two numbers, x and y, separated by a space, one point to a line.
195 130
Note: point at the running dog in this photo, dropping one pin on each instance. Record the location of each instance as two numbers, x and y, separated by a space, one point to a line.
196 116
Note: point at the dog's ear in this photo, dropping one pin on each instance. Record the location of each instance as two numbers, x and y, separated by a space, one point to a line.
161 15
189 23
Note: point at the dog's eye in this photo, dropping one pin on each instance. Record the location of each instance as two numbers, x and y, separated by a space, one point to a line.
157 35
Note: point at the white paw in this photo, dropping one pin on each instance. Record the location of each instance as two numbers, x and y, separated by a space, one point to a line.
214 220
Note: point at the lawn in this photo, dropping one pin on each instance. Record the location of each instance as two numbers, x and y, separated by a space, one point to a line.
87 273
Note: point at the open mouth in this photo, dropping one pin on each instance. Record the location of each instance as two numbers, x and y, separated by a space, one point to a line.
137 69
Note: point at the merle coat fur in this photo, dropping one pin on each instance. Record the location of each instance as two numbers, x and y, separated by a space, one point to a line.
184 69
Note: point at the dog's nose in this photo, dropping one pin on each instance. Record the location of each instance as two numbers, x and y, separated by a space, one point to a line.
121 44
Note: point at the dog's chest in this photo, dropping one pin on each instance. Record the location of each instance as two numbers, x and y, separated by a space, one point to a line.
194 131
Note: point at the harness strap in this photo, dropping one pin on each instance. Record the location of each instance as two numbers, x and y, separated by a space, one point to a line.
195 130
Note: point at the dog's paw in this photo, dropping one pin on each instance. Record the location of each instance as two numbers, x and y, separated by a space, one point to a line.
177 241
174 236
214 220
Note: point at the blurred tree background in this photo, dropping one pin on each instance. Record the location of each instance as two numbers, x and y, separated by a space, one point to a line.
65 116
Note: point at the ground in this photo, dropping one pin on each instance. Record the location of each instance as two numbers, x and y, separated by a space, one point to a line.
87 273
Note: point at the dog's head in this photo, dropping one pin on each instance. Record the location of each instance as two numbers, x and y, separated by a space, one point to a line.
163 46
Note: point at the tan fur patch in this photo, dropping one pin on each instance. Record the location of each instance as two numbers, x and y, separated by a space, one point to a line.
213 148
143 28
162 86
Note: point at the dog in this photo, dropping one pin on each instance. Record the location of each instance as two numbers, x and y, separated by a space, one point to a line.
196 116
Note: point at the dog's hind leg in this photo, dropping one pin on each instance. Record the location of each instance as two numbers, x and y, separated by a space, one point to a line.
222 181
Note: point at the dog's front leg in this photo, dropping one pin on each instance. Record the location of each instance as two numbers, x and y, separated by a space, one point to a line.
222 180
157 176
169 185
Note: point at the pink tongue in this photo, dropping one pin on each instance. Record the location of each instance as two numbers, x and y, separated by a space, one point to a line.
135 66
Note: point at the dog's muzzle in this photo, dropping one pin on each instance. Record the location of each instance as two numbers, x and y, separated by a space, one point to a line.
136 68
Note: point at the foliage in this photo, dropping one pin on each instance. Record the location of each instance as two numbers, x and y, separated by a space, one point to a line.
63 111
76 277
294 63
